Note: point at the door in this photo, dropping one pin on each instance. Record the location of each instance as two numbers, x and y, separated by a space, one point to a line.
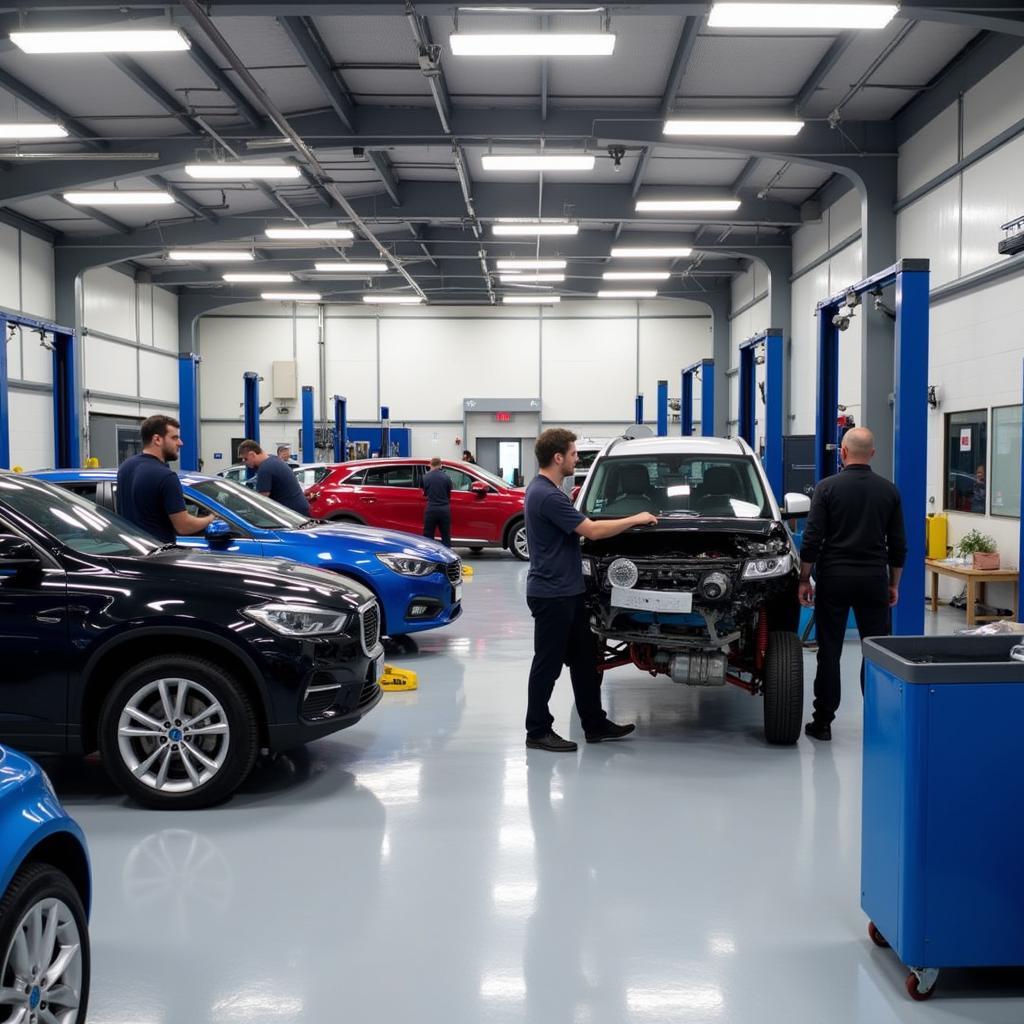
510 462
474 517
242 541
486 453
112 439
390 497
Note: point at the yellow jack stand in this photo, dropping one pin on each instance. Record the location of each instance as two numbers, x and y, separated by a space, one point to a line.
398 680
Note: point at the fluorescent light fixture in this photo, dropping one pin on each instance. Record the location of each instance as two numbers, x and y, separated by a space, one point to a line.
258 278
532 264
530 278
687 205
119 198
530 300
636 275
211 255
299 234
532 228
101 41
801 15
627 294
241 172
32 130
339 267
392 300
538 162
730 126
290 296
533 44
652 252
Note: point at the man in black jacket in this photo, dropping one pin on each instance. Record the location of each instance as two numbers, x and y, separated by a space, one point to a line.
437 488
856 544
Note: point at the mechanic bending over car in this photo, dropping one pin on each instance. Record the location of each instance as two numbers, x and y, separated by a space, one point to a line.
149 493
274 478
555 595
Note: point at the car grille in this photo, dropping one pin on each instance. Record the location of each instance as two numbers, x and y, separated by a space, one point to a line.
368 693
369 620
318 700
454 570
667 575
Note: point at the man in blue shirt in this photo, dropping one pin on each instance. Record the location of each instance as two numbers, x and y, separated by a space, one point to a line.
149 493
555 595
437 487
273 477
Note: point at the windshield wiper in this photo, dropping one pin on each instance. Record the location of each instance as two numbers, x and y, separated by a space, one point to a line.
163 547
308 523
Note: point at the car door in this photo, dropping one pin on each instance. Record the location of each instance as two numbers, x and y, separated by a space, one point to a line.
390 497
475 517
242 540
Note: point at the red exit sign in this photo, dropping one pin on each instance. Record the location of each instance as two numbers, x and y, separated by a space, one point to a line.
503 417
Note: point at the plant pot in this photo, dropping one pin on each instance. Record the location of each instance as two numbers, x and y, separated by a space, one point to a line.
986 560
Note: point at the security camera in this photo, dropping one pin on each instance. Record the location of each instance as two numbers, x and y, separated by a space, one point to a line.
840 321
617 153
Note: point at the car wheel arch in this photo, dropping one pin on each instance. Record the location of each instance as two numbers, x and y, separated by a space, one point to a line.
63 851
510 527
366 581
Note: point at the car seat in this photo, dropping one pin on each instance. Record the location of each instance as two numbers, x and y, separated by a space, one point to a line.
631 486
721 483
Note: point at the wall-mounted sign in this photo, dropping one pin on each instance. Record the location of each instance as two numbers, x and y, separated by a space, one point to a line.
503 417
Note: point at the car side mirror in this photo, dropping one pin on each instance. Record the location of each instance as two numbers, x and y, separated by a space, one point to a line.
795 504
218 535
479 488
18 557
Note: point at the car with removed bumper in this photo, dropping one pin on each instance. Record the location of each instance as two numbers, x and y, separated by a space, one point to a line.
178 665
709 595
45 892
418 582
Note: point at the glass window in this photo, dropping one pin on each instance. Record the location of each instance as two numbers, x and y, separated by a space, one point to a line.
460 481
251 507
722 487
490 478
1004 480
966 454
356 478
83 490
310 475
390 476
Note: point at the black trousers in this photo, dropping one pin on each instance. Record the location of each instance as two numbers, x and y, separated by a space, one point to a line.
561 636
834 596
438 519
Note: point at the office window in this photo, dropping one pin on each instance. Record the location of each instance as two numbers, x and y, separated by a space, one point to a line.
1004 480
966 455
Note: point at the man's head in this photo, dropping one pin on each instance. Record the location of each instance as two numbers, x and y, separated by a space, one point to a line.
979 474
161 436
251 453
435 463
284 451
858 447
556 451
467 456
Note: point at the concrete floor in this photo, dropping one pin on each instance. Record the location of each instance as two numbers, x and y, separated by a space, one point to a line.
423 867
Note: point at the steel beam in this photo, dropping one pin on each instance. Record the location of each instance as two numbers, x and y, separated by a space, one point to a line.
183 199
220 79
28 95
152 88
251 405
308 425
821 70
772 343
188 410
340 428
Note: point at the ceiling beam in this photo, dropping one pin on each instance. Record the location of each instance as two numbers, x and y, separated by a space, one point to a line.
26 94
98 215
744 176
183 198
306 40
152 88
821 70
220 79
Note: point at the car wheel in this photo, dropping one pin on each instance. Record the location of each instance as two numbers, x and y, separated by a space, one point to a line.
517 542
783 688
475 550
345 519
44 942
178 732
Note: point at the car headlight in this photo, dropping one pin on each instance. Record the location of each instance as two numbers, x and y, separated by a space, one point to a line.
298 620
410 565
766 568
623 573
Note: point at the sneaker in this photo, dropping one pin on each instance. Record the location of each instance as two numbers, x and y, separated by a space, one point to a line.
551 741
610 731
818 730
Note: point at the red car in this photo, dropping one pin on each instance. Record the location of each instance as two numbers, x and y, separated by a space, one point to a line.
486 511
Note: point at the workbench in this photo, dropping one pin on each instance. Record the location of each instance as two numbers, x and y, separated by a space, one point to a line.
975 579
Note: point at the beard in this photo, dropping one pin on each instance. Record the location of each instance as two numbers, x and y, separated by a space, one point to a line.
170 456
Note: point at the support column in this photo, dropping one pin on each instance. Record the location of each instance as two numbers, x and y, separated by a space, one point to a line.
662 408
707 398
686 403
251 404
308 426
188 410
5 402
340 428
67 403
638 409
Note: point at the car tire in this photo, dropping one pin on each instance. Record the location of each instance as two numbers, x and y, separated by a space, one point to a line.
346 519
42 889
783 688
211 731
475 550
517 541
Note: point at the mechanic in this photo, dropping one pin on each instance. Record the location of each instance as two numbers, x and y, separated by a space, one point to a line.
437 487
555 596
149 492
284 452
467 456
273 477
856 543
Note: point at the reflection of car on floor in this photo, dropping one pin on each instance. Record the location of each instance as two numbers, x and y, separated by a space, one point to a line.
177 665
708 596
45 890
418 582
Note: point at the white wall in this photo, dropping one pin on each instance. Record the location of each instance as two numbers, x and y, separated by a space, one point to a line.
586 361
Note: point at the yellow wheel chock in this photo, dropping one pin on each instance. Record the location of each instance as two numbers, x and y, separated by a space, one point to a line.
398 680
467 570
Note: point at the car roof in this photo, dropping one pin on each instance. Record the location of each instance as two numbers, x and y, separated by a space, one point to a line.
110 474
680 445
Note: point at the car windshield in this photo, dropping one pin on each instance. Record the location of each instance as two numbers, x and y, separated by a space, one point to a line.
251 507
491 478
667 484
74 521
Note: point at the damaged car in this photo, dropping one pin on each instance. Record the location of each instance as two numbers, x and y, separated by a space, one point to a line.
709 595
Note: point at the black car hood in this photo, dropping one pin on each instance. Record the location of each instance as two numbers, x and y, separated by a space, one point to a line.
675 536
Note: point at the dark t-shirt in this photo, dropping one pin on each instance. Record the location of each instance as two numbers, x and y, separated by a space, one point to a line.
437 486
276 479
148 494
556 565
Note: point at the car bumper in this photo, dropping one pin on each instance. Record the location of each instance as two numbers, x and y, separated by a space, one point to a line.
439 601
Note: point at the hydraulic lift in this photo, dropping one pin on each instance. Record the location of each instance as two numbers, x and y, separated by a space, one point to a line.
638 409
385 432
308 425
67 438
340 428
188 410
910 410
662 408
251 404
705 369
771 342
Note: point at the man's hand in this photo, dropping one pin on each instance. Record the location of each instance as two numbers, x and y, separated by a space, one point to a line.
645 519
894 595
806 593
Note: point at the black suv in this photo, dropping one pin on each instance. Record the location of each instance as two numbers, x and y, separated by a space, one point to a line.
177 665
709 596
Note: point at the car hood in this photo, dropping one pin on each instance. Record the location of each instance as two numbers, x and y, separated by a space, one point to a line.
356 539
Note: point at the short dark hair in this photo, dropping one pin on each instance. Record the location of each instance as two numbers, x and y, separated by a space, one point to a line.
553 441
154 426
283 447
249 446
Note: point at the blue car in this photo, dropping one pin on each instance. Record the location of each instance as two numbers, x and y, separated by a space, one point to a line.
44 900
418 582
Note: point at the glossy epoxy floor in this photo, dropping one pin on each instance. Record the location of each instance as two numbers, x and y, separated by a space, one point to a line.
424 867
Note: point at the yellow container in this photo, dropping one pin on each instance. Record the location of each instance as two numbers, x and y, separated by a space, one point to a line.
398 680
936 535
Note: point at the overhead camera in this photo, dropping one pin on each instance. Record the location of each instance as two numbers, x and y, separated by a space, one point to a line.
617 153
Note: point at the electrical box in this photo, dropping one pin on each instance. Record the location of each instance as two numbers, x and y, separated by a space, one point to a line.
285 379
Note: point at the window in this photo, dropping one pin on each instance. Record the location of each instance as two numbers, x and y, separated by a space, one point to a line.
1004 480
252 508
390 476
460 481
310 475
87 491
356 478
966 454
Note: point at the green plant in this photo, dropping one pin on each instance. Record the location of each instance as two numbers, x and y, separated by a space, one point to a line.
975 541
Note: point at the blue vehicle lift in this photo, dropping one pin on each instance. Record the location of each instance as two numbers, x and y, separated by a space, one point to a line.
706 369
662 408
308 425
772 460
910 413
1020 579
638 409
340 428
67 433
251 405
188 410
385 432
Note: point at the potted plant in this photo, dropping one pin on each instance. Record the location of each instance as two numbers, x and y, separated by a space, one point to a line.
981 548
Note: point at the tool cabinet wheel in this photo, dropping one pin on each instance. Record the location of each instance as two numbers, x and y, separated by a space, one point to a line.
876 936
916 990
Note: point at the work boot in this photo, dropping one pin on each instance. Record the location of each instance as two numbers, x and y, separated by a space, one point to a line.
610 731
818 730
551 741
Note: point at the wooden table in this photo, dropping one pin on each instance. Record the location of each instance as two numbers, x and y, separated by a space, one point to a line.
975 580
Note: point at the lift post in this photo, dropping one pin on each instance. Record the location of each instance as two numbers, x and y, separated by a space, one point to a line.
308 426
662 408
188 410
706 369
1020 542
340 428
910 413
251 404
67 437
638 409
771 341
385 432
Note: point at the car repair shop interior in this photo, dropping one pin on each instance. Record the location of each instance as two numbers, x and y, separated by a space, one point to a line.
385 231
